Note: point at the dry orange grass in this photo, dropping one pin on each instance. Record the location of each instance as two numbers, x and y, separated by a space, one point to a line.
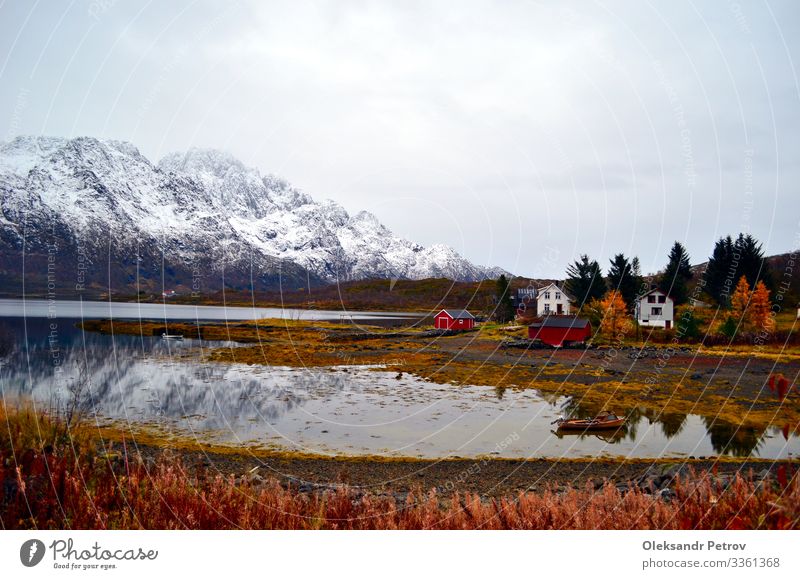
62 485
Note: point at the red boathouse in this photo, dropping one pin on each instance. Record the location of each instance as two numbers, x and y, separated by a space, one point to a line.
454 320
558 330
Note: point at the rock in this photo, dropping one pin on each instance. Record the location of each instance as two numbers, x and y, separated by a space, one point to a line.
723 481
674 471
666 494
255 479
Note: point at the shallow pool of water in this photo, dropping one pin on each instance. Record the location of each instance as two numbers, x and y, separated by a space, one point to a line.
342 410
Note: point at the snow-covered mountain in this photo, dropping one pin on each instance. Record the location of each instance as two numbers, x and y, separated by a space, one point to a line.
100 211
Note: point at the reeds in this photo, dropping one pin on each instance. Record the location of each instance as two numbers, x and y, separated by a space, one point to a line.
68 486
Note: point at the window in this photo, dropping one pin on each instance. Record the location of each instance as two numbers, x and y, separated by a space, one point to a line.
651 299
655 311
547 308
662 299
558 295
547 295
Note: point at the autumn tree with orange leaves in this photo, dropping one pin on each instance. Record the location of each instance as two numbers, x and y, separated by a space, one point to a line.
740 300
615 319
761 308
751 310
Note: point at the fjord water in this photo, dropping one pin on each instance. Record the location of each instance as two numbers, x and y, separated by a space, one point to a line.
341 410
165 311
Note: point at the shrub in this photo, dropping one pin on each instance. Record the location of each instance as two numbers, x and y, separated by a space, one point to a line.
728 328
687 324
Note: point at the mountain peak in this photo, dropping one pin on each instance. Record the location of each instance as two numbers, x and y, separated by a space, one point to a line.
199 160
202 202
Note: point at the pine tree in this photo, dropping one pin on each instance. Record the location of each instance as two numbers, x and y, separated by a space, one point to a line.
636 270
585 281
621 278
752 264
615 320
732 260
761 308
677 274
718 271
504 310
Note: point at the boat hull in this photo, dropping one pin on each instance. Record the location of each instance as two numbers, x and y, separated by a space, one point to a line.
591 424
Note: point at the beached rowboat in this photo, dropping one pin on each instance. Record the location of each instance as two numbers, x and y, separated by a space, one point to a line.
603 421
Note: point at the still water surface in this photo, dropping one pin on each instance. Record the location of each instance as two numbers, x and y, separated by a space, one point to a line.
166 311
342 410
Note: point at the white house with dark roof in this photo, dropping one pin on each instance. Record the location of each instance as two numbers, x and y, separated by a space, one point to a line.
655 309
553 300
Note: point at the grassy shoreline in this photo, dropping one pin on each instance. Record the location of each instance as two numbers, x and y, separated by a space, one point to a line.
112 475
55 475
724 386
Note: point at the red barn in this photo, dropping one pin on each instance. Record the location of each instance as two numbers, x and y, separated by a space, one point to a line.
557 330
454 320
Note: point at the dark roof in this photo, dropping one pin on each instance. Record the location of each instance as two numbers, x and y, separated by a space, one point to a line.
561 322
559 286
456 314
655 290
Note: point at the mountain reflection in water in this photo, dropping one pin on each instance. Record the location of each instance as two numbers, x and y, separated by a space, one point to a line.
348 410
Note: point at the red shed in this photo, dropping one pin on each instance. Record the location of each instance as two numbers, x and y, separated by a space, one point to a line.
454 320
556 330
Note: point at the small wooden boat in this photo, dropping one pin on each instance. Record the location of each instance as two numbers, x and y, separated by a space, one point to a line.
607 435
603 421
166 336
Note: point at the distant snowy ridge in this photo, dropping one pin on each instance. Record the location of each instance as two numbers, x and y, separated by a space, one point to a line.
199 206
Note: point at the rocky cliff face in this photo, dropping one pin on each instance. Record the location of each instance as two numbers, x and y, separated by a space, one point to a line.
101 215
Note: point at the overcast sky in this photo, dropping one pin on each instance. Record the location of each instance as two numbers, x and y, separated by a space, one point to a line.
521 133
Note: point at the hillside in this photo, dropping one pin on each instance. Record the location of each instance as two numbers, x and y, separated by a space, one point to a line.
91 217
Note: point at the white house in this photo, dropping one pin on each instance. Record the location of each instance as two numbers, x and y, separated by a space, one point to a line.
656 309
551 299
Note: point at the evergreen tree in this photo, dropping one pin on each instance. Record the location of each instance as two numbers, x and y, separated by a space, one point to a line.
641 286
677 274
730 261
752 264
585 281
718 271
504 310
622 280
